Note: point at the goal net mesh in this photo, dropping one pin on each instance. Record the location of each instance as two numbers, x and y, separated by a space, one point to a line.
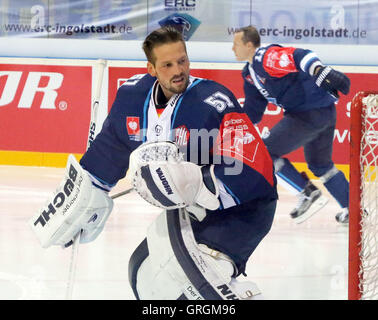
368 273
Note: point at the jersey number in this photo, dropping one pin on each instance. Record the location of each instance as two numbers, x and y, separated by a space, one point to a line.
133 80
219 101
259 54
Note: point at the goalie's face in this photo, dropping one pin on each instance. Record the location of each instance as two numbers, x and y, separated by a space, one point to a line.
171 67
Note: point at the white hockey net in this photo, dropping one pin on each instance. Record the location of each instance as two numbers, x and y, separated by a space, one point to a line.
368 272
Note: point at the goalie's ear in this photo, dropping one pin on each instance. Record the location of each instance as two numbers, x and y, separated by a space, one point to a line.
151 69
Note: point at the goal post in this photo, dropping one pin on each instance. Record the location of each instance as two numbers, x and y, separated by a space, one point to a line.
363 207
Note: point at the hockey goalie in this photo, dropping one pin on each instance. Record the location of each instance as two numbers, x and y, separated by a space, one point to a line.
190 150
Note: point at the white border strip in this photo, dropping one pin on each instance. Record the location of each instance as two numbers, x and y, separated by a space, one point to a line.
142 64
198 51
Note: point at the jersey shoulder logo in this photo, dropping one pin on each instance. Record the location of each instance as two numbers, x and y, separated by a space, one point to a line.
279 61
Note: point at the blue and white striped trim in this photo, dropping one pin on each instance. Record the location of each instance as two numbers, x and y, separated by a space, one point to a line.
309 62
99 183
226 196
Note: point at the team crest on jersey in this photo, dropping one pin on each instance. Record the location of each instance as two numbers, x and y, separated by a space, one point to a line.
281 60
181 136
133 128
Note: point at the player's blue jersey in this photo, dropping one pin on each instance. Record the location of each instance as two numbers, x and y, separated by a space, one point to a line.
280 75
205 109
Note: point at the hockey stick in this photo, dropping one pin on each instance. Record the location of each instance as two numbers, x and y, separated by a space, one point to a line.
101 64
117 195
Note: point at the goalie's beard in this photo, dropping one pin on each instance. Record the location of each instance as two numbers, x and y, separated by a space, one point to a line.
176 85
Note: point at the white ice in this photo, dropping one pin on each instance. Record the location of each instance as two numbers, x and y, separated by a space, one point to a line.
301 262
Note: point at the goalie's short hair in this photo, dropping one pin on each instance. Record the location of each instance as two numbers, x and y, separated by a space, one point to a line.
158 37
251 34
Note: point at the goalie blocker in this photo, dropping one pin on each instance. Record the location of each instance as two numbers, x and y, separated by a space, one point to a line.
76 206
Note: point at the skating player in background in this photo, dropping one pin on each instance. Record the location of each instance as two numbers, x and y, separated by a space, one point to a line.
298 82
190 149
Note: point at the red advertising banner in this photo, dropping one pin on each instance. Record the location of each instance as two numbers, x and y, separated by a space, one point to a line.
233 80
44 108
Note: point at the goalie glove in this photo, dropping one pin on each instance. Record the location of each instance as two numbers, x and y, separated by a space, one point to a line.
76 206
331 80
163 179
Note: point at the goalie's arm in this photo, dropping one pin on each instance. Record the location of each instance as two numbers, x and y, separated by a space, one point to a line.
107 159
169 183
177 184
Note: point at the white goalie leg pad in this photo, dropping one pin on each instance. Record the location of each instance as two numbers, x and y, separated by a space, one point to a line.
178 268
247 290
76 206
159 276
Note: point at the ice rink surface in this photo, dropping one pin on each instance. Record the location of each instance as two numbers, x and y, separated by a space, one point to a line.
294 262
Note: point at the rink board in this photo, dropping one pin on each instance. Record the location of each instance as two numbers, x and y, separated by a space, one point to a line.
45 105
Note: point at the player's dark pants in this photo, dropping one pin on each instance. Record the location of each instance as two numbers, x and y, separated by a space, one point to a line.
314 130
236 231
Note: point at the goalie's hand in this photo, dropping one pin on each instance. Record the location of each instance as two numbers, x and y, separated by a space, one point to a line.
331 80
76 206
169 182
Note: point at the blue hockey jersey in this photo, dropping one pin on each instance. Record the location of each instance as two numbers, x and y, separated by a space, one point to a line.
206 109
282 76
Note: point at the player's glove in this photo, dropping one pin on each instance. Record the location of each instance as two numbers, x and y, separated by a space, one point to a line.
76 206
331 80
162 178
